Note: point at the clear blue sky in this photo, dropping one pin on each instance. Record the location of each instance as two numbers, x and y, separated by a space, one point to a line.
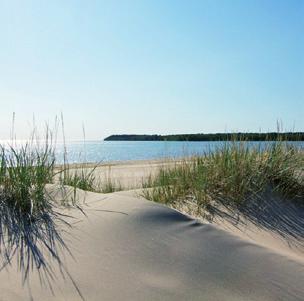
154 66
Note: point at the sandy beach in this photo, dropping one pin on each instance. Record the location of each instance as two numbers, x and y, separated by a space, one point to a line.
152 151
123 247
125 174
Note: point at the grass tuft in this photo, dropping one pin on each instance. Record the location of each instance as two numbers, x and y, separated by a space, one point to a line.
29 218
233 174
24 172
80 178
84 177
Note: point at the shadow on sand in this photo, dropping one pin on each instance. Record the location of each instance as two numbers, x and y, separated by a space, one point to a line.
272 212
35 245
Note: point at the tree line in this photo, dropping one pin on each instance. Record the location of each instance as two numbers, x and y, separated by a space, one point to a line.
288 136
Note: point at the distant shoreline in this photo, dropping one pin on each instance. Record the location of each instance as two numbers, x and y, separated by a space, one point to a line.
271 136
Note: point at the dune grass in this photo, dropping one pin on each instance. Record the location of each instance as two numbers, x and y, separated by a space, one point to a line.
24 172
84 177
32 216
29 219
233 174
109 186
80 178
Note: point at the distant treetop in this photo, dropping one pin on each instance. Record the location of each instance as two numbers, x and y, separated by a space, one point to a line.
289 136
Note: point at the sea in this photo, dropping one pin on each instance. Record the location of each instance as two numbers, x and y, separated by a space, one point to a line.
99 151
112 151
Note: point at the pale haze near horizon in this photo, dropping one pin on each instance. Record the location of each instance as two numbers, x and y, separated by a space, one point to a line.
151 67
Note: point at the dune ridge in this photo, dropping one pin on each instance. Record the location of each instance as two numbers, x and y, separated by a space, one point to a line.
127 248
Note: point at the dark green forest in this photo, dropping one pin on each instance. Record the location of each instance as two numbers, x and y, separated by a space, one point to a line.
288 136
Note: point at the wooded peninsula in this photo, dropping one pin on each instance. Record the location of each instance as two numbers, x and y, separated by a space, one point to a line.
271 136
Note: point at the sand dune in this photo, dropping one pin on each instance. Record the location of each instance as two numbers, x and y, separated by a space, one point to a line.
127 248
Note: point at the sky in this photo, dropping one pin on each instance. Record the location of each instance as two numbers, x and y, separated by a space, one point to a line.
153 67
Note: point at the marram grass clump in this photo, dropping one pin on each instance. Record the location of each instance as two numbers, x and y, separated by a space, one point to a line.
24 173
29 217
233 174
32 215
79 178
84 177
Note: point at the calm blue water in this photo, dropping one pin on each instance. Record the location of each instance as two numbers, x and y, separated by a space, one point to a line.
106 151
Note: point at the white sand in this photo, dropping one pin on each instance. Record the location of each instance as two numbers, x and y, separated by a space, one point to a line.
129 174
127 248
